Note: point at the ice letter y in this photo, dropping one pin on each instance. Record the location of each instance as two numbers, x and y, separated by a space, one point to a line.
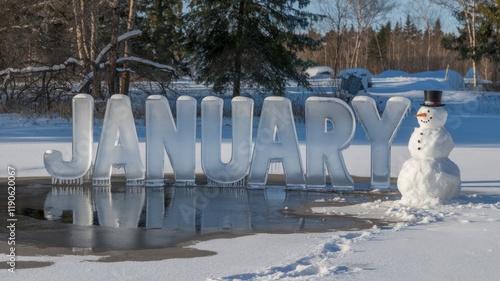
73 171
211 122
276 142
118 145
381 132
330 126
162 134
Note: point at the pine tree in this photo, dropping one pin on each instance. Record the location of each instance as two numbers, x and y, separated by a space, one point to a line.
489 32
249 42
161 22
378 48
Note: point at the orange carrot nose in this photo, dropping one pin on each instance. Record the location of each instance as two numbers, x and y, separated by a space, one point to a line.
421 115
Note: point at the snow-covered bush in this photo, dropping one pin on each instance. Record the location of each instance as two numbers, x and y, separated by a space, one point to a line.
355 80
362 73
319 72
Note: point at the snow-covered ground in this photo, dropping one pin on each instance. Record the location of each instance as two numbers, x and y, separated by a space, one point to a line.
456 241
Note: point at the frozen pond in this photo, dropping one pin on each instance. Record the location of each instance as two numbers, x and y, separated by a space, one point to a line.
125 218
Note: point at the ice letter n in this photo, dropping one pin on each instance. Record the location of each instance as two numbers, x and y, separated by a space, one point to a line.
381 132
162 134
276 142
118 145
73 171
233 172
330 126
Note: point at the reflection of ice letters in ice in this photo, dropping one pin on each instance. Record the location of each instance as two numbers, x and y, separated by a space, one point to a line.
330 126
155 207
276 142
119 209
232 173
381 132
73 172
162 134
74 199
118 145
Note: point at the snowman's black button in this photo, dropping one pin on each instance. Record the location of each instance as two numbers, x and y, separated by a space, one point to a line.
419 148
421 134
419 141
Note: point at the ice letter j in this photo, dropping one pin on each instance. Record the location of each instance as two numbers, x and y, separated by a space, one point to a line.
72 172
381 132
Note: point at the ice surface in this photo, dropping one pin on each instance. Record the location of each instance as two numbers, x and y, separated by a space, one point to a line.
330 126
381 131
74 171
429 177
162 134
276 142
236 169
119 145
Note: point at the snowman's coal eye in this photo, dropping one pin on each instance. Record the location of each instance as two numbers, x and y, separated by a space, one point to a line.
430 118
428 111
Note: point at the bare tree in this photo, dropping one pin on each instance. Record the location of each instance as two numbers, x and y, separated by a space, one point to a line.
364 14
125 76
427 14
336 14
85 13
469 10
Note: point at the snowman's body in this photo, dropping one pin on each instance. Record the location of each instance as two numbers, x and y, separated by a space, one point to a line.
429 176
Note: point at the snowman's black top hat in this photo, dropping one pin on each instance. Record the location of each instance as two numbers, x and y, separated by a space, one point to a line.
432 98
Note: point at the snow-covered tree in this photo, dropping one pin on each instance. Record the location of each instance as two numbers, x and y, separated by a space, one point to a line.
249 42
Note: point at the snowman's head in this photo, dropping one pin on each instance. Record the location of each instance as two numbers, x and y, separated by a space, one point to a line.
431 117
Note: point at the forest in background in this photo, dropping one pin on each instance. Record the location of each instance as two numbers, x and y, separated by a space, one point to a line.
48 46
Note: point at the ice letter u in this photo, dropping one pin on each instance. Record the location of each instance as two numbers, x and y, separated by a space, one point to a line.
211 129
73 171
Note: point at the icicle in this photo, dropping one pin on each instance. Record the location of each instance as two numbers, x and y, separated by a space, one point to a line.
184 184
159 182
135 182
240 183
71 181
101 182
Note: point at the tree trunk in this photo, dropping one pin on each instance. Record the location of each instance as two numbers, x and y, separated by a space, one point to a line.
239 50
125 76
113 54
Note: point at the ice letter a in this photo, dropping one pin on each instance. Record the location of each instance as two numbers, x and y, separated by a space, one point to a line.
381 132
162 134
330 126
73 172
232 173
276 142
118 145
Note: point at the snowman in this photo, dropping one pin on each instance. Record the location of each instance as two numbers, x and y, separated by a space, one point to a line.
429 176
